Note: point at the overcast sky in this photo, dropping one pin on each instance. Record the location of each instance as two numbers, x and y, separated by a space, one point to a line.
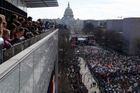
90 9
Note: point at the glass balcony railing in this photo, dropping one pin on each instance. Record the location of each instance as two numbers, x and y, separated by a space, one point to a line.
30 70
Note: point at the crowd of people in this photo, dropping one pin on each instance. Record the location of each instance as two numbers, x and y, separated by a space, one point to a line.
116 73
69 67
18 29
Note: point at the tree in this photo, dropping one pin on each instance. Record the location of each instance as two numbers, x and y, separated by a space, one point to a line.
88 28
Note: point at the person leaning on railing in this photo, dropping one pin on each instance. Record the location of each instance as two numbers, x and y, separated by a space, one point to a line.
1 39
5 33
18 36
1 25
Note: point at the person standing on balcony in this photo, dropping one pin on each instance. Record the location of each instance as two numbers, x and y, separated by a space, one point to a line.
1 25
13 19
6 35
18 36
1 39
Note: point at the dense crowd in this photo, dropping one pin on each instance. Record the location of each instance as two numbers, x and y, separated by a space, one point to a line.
70 67
18 28
116 73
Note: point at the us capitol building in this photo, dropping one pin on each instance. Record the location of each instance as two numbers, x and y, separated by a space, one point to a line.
68 18
75 25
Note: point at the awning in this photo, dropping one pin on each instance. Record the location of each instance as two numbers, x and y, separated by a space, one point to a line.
41 3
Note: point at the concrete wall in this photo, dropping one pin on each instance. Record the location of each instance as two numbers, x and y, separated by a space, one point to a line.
30 70
114 25
131 32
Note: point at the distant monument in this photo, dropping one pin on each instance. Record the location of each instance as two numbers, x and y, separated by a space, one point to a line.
68 18
68 14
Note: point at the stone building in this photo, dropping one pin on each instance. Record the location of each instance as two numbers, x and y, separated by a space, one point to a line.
68 18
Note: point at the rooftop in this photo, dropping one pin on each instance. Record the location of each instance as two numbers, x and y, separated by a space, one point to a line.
41 3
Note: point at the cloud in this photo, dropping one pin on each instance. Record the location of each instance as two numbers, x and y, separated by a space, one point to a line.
92 9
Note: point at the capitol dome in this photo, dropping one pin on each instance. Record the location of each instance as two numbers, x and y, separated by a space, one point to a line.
68 12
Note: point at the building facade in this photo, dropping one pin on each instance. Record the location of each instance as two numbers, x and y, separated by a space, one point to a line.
114 25
131 32
68 19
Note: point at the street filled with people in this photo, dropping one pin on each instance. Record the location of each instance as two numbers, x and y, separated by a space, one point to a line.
116 73
70 77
